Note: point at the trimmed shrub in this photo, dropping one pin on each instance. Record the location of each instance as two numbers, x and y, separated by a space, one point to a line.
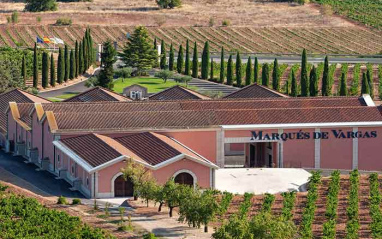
62 200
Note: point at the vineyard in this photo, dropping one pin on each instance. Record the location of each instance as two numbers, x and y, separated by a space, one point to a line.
330 40
339 206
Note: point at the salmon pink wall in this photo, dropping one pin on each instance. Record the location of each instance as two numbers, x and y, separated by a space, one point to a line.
36 133
369 151
11 127
202 142
336 153
48 142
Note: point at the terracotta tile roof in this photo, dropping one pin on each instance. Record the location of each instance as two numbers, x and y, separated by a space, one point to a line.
178 93
150 148
255 91
18 96
151 120
97 94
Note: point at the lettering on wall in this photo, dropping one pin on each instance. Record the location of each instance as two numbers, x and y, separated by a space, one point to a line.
301 135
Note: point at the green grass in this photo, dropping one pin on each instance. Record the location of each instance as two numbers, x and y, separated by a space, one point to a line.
60 98
153 84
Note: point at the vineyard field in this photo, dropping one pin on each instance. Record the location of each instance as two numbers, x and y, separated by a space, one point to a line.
282 40
321 207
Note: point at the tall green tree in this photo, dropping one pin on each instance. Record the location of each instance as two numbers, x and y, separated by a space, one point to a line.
45 70
85 54
313 82
35 66
179 60
72 65
265 75
343 88
370 83
81 59
52 71
222 67
138 51
67 64
248 72
187 62
60 66
304 75
276 76
76 53
90 48
365 88
229 71
171 58
294 85
163 57
205 60
24 70
325 79
195 62
238 70
212 70
105 78
256 71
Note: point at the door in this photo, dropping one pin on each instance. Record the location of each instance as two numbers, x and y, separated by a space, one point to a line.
252 153
184 178
123 188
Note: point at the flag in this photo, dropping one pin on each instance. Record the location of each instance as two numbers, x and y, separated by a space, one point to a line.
58 40
52 40
39 40
46 40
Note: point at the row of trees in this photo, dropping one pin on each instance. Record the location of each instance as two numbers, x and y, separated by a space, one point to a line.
70 63
375 206
329 227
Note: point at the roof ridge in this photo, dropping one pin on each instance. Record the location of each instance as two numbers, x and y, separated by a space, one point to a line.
109 92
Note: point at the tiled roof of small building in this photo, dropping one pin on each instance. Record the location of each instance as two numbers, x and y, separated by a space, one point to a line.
255 91
178 93
97 94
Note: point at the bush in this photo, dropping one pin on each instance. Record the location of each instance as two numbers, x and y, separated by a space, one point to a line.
149 236
64 21
226 23
62 200
38 19
40 5
76 201
15 17
169 3
124 72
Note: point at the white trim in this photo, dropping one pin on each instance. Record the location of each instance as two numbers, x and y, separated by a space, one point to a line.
231 140
182 156
302 125
368 100
195 179
317 150
73 156
112 192
355 150
220 154
281 150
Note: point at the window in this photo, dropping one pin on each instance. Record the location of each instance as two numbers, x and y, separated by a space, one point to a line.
87 181
72 168
133 95
58 158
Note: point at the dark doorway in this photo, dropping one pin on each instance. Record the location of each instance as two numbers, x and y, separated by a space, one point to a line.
11 146
184 178
252 153
123 188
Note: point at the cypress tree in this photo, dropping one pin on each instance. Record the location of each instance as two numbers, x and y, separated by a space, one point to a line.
304 75
238 70
81 59
60 67
370 83
265 75
84 55
205 60
313 82
179 62
35 67
171 58
163 58
229 71
105 77
187 63
256 71
24 70
325 79
67 64
276 76
365 89
76 58
248 72
72 65
222 67
343 89
212 70
45 70
294 85
195 62
52 71
90 48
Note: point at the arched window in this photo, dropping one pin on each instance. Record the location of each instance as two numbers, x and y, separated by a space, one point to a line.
184 178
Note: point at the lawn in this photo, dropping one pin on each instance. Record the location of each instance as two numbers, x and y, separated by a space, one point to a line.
63 97
153 84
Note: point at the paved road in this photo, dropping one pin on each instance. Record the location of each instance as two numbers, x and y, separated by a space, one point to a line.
76 88
43 180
